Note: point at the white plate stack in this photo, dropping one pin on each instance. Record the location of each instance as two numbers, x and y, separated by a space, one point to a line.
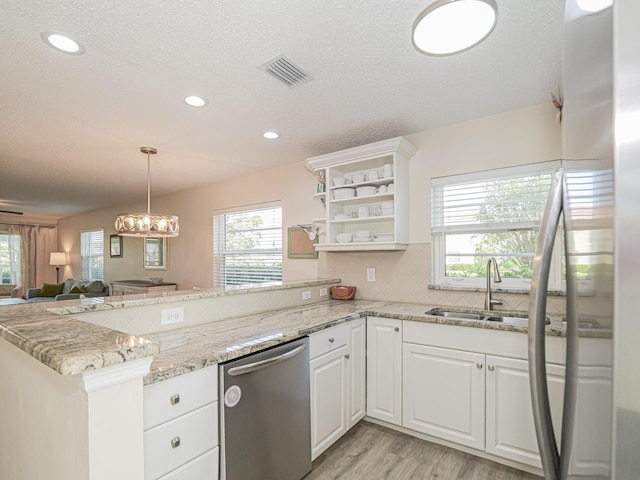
383 237
363 236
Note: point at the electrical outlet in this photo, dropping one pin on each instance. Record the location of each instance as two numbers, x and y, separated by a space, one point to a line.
371 274
323 292
306 295
172 315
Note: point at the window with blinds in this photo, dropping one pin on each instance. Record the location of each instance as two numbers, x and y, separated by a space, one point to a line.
247 247
9 259
92 254
495 213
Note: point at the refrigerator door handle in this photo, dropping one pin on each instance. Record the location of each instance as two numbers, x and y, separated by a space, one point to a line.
252 367
536 337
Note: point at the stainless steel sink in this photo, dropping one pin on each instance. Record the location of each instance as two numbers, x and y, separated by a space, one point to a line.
481 316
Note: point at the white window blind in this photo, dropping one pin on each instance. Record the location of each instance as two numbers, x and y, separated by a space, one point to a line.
247 247
92 254
495 213
9 259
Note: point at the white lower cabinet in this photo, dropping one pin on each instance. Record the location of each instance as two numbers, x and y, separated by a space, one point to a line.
336 382
443 393
181 427
384 369
510 428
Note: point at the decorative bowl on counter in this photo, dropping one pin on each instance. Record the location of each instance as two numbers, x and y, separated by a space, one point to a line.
342 293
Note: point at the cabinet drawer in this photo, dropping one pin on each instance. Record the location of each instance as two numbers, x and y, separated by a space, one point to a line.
172 444
327 340
166 400
205 466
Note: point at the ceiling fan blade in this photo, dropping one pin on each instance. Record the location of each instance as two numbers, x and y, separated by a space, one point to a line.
11 212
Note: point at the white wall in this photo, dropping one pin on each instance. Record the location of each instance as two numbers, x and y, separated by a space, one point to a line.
190 255
516 137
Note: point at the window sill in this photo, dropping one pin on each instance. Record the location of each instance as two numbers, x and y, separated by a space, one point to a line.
493 290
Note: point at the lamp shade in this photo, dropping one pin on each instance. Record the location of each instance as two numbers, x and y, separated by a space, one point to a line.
57 258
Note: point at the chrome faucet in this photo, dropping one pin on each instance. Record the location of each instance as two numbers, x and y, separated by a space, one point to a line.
488 301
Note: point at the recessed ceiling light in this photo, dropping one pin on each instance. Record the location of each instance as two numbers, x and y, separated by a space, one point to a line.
271 135
594 6
452 26
62 42
195 101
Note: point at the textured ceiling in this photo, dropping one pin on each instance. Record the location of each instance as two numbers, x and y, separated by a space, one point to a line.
71 126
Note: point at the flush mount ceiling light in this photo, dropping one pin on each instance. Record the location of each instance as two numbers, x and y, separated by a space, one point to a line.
62 42
593 6
195 101
147 224
452 26
271 135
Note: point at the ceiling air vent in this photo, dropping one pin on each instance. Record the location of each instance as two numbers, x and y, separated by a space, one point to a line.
283 69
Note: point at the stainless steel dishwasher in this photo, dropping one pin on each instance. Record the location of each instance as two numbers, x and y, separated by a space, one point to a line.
265 421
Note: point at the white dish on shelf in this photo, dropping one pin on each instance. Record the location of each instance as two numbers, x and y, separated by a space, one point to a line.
343 237
341 216
383 237
366 190
342 193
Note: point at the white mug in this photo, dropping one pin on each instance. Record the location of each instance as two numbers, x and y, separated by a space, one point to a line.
363 212
373 175
381 189
387 171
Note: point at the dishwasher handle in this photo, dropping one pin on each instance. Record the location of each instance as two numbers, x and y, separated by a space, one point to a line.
252 367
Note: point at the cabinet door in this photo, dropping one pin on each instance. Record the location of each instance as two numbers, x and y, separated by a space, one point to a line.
328 399
591 439
356 371
510 429
444 393
384 369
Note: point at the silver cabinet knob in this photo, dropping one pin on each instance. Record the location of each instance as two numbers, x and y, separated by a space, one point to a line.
347 356
175 399
490 368
396 329
175 442
478 365
331 340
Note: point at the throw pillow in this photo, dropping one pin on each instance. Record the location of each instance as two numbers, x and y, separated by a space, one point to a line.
95 286
51 289
68 285
80 289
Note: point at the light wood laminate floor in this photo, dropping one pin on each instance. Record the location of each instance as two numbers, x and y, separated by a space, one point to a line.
372 452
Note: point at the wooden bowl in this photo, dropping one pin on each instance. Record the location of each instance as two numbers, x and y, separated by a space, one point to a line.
342 293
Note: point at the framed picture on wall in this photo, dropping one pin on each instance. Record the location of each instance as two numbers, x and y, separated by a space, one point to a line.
115 246
155 253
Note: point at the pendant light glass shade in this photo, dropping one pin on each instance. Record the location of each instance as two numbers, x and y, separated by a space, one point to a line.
147 224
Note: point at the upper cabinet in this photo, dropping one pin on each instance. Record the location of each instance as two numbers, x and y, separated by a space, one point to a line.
367 196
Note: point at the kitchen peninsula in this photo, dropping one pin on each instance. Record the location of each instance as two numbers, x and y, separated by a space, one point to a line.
74 391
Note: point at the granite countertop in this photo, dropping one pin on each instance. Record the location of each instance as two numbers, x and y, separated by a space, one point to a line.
71 346
190 348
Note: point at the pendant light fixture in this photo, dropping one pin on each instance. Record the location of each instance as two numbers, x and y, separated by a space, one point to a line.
147 224
447 27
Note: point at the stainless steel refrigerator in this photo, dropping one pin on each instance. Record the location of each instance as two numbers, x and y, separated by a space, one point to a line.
595 196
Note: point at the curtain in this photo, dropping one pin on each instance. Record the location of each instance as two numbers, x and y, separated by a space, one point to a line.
36 243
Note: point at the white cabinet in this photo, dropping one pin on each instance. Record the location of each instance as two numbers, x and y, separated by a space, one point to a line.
181 426
510 429
375 199
443 393
384 369
336 382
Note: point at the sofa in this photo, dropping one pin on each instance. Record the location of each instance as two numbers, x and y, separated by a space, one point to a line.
69 290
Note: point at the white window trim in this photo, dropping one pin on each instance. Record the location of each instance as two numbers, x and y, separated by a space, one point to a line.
82 256
218 255
438 234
